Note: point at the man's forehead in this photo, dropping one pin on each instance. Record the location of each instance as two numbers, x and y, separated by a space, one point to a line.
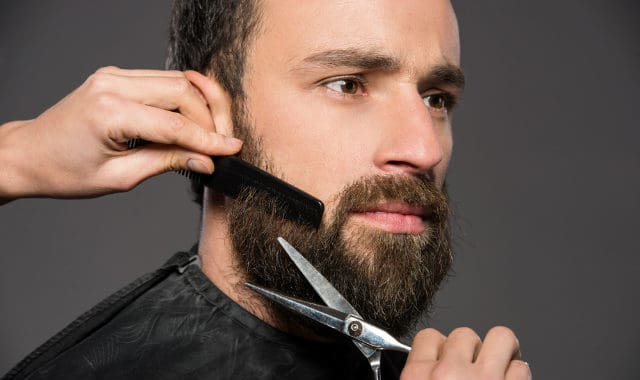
307 32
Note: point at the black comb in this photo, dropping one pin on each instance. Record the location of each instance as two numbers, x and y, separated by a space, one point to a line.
232 174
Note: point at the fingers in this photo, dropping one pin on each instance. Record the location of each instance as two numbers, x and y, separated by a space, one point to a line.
138 104
499 348
463 355
164 90
461 346
518 370
216 99
165 127
427 345
154 159
140 72
424 355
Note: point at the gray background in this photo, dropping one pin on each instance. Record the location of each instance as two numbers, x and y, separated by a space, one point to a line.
544 180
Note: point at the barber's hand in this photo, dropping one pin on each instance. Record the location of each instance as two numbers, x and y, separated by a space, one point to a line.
78 147
462 355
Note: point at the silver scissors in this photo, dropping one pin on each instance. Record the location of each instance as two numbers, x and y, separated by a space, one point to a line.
338 314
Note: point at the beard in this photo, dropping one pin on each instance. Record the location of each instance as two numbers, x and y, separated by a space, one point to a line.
390 278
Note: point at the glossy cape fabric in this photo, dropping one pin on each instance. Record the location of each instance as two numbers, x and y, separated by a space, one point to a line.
175 324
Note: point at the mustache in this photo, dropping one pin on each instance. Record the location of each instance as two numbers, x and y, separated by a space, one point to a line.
370 191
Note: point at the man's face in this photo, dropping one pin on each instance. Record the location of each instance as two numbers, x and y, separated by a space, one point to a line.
336 91
354 95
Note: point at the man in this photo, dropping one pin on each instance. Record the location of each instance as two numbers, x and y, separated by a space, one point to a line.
350 101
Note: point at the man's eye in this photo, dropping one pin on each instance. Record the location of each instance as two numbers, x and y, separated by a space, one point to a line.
345 86
437 101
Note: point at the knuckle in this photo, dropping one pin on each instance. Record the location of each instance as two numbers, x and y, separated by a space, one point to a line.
427 333
107 70
106 101
502 333
177 123
105 109
464 333
181 85
173 161
205 140
98 82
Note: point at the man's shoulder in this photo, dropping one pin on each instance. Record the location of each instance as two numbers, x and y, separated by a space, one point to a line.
174 323
127 305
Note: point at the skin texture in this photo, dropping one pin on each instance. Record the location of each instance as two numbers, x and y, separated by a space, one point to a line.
304 110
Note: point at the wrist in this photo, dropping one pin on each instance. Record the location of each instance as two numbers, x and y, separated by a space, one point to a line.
14 181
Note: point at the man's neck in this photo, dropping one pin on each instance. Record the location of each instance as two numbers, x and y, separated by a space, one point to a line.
220 265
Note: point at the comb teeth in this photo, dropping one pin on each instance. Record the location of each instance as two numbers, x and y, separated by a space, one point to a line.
190 175
136 143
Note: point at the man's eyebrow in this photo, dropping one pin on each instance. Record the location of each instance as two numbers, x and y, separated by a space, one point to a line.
444 74
373 59
350 57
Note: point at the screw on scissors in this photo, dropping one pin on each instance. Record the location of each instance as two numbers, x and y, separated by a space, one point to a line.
338 314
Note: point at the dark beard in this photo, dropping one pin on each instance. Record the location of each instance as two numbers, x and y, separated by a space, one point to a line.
391 279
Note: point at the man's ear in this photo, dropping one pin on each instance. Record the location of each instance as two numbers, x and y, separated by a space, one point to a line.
218 100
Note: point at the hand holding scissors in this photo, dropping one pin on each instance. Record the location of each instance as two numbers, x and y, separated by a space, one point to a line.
462 354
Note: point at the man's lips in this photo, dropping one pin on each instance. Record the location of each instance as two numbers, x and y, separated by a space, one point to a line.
395 217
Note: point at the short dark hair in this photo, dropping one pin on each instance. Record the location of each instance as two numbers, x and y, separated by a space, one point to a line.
212 36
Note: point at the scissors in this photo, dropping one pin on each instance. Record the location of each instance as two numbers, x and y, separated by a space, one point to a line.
338 314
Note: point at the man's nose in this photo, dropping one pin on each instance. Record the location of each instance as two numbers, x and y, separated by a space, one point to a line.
411 140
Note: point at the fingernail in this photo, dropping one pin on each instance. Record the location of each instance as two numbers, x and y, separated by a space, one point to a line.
198 166
232 141
528 366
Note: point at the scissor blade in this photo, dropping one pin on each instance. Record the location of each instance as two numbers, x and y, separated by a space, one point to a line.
320 284
327 292
327 316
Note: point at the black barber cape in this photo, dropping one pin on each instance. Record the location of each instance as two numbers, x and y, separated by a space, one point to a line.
175 324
